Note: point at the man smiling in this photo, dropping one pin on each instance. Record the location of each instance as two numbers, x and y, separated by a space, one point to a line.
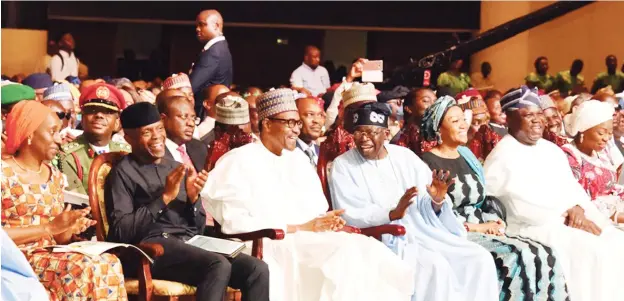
100 105
269 185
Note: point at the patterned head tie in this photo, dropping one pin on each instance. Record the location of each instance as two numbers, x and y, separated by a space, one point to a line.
430 125
523 97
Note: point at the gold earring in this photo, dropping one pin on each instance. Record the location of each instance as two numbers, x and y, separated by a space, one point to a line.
581 138
29 141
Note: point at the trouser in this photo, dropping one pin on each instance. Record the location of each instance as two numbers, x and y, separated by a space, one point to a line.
210 272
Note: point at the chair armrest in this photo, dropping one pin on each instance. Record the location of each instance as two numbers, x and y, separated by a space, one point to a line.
275 234
351 229
376 232
151 249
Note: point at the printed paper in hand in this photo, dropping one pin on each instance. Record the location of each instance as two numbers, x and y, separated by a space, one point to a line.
93 248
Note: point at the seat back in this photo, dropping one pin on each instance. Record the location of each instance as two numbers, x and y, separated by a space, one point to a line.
100 168
337 143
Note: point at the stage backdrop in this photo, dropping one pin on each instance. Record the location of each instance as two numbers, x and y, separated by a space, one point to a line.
590 33
23 51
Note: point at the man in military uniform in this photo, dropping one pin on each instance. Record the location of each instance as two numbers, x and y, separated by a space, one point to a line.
100 105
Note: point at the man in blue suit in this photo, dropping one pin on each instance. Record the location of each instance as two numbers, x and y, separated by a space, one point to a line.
313 118
214 64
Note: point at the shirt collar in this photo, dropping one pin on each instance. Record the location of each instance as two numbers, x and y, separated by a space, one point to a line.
100 149
172 146
213 41
310 68
304 146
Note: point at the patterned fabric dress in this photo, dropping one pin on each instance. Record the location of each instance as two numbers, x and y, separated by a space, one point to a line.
67 276
554 138
527 270
599 178
484 142
411 138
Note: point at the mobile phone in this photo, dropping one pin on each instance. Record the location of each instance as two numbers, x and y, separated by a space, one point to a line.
372 72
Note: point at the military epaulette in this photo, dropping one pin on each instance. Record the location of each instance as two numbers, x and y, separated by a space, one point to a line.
71 147
123 147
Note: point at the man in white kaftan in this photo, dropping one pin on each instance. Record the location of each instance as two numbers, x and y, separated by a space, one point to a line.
533 179
447 265
268 185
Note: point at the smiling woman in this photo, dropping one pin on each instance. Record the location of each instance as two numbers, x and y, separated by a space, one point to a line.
27 178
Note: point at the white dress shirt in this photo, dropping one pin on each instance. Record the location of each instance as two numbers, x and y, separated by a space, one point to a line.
213 41
173 149
204 127
314 80
60 70
304 147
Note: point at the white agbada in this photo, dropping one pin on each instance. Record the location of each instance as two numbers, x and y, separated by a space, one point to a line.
536 185
251 188
447 265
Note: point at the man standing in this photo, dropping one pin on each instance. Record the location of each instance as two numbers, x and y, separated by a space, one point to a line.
311 115
269 185
377 184
100 105
214 64
153 199
540 78
482 80
65 62
571 80
310 78
545 203
612 77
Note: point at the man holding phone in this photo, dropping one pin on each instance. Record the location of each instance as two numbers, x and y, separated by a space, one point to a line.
310 78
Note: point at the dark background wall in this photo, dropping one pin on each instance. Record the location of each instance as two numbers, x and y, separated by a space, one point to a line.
249 29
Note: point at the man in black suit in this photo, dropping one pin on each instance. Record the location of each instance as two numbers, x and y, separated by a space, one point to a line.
179 120
153 199
313 118
214 64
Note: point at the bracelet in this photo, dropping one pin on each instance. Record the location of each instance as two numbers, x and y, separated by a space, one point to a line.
615 217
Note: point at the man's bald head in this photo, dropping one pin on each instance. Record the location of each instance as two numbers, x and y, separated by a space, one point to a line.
208 25
210 96
312 56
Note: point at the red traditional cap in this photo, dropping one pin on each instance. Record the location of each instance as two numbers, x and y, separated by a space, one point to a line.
468 93
177 81
103 95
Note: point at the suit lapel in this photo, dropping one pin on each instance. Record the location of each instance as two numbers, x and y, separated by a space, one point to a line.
195 157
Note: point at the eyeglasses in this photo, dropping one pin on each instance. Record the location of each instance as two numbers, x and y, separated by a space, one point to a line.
186 117
64 115
290 122
370 135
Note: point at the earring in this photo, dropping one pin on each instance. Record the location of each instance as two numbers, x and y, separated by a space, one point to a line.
29 141
581 140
